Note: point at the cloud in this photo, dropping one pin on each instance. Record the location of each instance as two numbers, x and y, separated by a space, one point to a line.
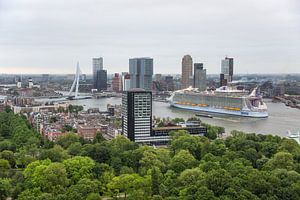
40 36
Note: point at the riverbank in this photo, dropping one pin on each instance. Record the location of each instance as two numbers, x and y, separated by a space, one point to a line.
281 118
292 101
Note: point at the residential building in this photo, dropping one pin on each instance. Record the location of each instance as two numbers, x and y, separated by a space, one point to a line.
126 82
117 83
89 132
30 83
53 135
169 83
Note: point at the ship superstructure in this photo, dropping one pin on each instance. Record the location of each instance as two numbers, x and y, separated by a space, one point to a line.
224 100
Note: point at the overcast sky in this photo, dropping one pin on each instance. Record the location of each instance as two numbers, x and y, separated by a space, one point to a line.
50 36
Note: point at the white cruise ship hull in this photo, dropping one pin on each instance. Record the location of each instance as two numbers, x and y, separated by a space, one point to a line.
244 113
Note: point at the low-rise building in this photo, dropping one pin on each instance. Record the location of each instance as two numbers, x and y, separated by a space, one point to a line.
89 132
54 134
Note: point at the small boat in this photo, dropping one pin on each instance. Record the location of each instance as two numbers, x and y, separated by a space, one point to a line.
204 115
294 135
78 97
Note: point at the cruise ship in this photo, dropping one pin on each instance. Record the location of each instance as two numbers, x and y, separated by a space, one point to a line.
224 100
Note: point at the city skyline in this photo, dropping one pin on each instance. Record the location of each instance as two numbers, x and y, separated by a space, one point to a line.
47 37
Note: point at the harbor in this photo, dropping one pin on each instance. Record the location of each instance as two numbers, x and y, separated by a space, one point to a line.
281 118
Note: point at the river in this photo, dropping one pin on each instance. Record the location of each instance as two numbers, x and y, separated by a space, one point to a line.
281 118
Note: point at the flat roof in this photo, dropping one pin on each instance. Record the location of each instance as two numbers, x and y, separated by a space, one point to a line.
174 128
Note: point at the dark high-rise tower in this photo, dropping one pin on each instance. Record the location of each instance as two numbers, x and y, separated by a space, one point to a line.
141 71
199 77
97 65
101 80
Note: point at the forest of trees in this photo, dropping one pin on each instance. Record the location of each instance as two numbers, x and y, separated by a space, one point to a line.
242 166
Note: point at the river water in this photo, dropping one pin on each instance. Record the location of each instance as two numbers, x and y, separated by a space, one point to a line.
281 118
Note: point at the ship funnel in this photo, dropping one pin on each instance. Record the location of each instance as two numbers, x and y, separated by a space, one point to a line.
253 93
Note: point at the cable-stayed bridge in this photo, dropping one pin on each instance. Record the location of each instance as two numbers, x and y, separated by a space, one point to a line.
75 86
71 95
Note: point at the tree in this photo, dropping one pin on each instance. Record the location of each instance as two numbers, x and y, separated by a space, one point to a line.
55 154
183 160
168 186
74 149
75 108
104 173
101 152
7 145
155 182
78 168
126 170
132 158
161 124
187 142
150 160
258 184
83 189
5 188
191 177
197 193
55 178
269 148
209 165
218 181
9 156
127 184
8 109
4 168
216 147
99 138
123 151
66 140
197 119
288 145
178 120
93 196
67 128
47 176
281 160
213 131
30 194
22 159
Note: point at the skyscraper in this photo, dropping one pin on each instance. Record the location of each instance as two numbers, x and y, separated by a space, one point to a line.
187 71
97 65
226 71
199 77
141 71
101 80
137 115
